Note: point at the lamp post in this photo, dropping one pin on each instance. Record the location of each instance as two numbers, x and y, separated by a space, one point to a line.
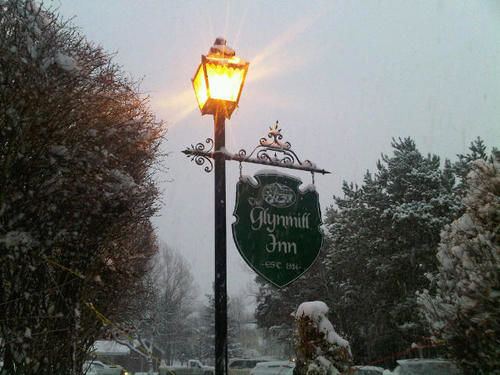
217 85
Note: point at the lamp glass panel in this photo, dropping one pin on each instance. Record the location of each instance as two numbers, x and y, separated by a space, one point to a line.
224 81
200 87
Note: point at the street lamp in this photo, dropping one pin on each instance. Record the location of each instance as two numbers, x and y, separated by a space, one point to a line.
217 85
219 79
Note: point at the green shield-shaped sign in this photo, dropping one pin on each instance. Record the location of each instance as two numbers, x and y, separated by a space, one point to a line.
277 228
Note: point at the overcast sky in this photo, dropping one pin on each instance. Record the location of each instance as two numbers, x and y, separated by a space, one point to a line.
342 77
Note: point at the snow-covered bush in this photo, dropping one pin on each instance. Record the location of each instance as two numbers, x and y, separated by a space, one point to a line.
76 191
465 310
321 351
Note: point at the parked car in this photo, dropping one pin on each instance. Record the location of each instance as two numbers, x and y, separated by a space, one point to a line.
367 370
273 368
194 367
101 368
242 366
423 366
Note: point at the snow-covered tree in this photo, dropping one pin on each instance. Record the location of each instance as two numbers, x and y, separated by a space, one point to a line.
164 317
462 167
242 339
77 144
321 351
175 282
384 235
206 331
464 311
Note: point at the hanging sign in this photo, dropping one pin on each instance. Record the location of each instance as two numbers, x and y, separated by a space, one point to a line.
277 228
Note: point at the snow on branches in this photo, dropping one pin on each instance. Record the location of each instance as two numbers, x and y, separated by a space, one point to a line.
321 350
77 143
464 311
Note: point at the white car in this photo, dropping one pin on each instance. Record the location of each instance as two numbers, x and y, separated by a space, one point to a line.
100 368
367 370
273 368
242 366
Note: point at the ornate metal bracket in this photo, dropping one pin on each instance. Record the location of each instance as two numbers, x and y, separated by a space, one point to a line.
270 151
200 155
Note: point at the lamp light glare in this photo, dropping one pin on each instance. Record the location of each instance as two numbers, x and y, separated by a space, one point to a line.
219 80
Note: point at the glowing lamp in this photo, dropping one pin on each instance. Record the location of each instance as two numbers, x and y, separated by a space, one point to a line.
219 79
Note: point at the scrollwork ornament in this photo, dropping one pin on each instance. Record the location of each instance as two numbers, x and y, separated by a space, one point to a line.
242 153
262 155
200 160
201 147
272 152
287 159
308 163
201 154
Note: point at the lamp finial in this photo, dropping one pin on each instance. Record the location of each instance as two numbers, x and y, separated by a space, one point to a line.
220 48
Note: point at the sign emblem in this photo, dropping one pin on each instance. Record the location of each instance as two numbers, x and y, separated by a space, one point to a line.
277 228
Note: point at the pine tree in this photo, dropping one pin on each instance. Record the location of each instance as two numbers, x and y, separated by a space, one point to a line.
463 166
465 309
384 236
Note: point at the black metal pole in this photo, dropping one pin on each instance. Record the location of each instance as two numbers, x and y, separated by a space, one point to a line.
220 247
